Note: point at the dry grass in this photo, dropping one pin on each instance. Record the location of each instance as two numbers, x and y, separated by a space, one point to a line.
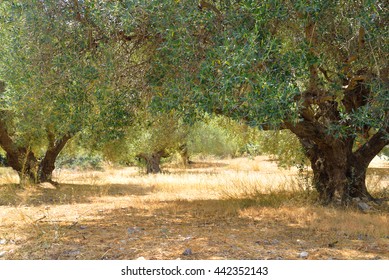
221 209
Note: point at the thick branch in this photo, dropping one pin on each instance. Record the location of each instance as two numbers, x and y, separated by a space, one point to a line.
47 164
371 148
310 36
310 98
77 10
311 130
356 95
325 73
56 146
2 87
85 20
59 144
361 38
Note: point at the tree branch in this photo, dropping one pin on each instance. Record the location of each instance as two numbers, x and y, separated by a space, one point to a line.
205 4
312 130
325 73
371 148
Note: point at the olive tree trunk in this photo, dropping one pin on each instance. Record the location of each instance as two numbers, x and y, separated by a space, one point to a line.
153 161
23 160
47 165
338 171
184 153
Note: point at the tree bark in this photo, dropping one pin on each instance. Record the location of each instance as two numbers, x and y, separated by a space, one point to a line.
23 160
47 165
184 153
153 161
338 172
25 163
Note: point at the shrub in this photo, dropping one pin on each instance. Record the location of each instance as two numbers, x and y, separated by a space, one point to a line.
83 162
218 136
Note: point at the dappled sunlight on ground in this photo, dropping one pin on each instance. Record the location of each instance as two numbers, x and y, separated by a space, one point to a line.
221 209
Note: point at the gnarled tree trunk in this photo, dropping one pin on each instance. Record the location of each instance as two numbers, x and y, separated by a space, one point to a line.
184 153
47 165
23 160
338 171
153 161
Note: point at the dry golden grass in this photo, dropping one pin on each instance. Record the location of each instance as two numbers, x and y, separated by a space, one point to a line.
220 209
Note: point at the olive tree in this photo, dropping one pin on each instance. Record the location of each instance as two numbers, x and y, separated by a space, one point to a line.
150 138
317 68
65 67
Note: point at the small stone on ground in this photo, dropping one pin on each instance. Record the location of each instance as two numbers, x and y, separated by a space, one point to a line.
303 255
187 252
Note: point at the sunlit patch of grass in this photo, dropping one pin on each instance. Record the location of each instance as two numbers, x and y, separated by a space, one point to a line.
8 176
352 223
246 164
283 191
222 209
377 181
8 194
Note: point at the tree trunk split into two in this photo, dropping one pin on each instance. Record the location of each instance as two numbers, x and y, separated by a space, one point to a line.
153 161
28 166
339 173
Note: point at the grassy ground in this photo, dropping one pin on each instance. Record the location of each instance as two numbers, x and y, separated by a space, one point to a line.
219 209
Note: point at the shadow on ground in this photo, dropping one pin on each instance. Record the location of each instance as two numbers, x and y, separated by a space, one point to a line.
211 229
14 195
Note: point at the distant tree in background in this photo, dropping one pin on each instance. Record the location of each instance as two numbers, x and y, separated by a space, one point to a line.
283 146
149 139
218 136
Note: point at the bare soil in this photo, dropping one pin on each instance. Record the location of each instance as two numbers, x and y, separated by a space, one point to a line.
219 209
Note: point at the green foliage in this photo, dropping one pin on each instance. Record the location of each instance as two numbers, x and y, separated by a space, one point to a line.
253 60
222 136
79 155
49 74
80 162
68 68
284 146
149 134
215 136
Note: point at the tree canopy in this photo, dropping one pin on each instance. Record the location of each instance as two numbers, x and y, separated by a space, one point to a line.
318 68
66 66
